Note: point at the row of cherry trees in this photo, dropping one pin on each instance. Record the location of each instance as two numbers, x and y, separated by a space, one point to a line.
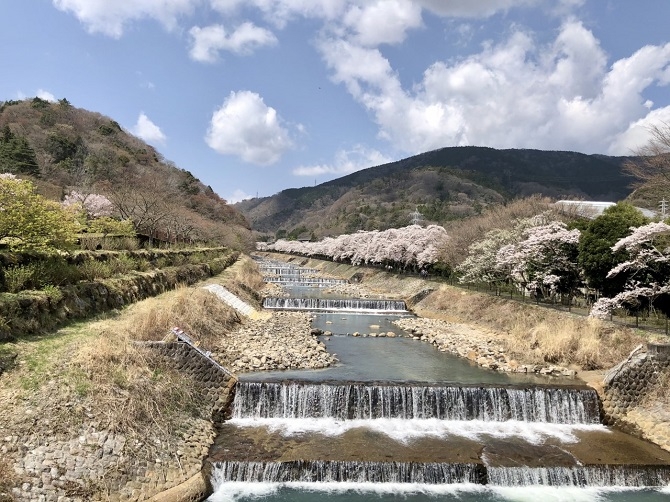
619 256
410 247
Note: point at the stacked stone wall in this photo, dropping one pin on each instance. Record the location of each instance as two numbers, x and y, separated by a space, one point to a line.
626 385
35 312
215 384
93 463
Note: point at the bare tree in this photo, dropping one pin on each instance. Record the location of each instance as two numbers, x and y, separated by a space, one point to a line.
652 165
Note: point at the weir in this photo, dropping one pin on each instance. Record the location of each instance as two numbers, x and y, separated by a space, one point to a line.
357 432
438 473
306 281
324 304
287 270
349 401
342 471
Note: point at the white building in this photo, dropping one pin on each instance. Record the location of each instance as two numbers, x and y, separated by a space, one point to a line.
592 209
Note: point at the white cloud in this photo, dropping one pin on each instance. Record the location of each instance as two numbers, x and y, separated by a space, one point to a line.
637 135
280 12
147 130
110 17
346 161
208 41
46 95
474 8
246 127
511 94
383 21
238 196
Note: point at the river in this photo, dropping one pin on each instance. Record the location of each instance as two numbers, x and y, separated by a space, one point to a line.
398 420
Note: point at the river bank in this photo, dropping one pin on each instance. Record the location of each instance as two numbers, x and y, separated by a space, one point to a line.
89 414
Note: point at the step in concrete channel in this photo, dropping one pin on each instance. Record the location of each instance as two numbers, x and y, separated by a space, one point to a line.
229 298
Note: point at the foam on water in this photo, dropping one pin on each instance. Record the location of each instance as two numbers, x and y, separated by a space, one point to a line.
236 491
407 430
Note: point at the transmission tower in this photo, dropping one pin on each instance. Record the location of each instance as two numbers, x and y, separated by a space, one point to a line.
416 217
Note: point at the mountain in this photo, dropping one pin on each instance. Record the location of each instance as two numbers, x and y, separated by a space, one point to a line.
62 148
443 185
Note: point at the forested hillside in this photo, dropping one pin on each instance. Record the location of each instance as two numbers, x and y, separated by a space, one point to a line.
62 149
444 185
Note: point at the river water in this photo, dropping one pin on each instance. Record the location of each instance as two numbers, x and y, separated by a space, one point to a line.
398 420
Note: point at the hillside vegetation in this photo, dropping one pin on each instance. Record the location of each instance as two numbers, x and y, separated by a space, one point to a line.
61 148
444 185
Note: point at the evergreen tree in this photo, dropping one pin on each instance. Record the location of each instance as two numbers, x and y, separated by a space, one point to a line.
16 155
596 257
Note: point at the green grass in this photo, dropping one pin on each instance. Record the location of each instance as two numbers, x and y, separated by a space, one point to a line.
41 358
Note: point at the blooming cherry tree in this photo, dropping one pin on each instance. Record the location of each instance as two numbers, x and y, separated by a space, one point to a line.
407 247
648 267
95 205
545 260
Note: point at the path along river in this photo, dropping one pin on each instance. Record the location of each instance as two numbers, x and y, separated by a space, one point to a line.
398 420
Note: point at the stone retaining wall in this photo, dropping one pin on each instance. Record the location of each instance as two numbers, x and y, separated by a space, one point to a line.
626 385
34 312
216 384
93 463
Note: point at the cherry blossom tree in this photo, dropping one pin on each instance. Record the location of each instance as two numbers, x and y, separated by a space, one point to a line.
408 247
481 264
648 266
95 205
545 261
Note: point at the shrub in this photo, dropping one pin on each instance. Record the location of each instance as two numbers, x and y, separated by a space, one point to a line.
54 293
122 264
18 278
93 269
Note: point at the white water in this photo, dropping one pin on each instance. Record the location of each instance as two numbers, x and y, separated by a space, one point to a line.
406 430
379 492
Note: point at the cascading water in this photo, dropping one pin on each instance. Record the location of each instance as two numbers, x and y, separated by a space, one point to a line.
324 304
350 401
306 435
305 281
356 472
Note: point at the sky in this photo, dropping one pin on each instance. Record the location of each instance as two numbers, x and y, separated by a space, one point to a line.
255 96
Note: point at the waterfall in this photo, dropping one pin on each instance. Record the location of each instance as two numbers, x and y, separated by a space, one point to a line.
348 401
593 475
287 270
348 471
433 473
357 305
307 281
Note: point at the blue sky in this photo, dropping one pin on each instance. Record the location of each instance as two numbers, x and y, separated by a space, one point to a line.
254 96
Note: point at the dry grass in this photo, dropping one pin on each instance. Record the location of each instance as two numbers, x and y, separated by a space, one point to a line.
127 387
197 311
128 384
243 279
8 480
540 335
130 388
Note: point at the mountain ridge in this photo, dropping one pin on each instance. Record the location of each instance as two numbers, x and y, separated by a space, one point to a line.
444 184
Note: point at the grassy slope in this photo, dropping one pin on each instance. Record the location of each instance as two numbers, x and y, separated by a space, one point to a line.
91 374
